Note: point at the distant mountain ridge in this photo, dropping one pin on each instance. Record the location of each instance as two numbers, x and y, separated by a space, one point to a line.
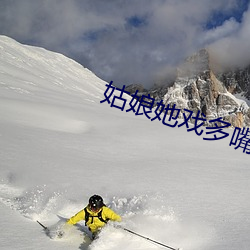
198 87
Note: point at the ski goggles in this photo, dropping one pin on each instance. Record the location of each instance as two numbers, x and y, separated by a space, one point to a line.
94 208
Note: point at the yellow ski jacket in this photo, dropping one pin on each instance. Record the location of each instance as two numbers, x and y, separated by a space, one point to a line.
94 223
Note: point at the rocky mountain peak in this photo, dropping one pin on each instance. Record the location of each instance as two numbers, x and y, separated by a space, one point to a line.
197 64
198 88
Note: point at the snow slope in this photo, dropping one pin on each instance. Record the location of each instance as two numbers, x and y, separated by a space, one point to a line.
59 145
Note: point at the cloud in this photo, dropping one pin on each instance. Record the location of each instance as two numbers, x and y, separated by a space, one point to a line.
125 41
233 49
228 28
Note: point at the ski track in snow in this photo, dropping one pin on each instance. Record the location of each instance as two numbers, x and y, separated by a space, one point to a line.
145 214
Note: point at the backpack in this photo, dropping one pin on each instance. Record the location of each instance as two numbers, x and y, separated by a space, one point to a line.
88 216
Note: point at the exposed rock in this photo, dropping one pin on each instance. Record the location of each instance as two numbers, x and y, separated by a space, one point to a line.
237 81
133 87
198 88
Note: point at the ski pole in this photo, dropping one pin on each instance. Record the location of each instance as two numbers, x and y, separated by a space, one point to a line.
146 238
45 228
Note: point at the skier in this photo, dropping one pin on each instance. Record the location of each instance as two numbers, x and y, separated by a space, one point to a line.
95 214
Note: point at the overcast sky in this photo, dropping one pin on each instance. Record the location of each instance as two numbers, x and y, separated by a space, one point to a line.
131 41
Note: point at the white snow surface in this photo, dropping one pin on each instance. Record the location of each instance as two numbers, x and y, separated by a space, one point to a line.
60 145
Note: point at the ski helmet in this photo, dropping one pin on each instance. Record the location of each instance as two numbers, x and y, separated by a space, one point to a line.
95 202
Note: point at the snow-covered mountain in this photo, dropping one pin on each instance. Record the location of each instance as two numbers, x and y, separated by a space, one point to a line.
59 145
237 81
197 88
200 87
